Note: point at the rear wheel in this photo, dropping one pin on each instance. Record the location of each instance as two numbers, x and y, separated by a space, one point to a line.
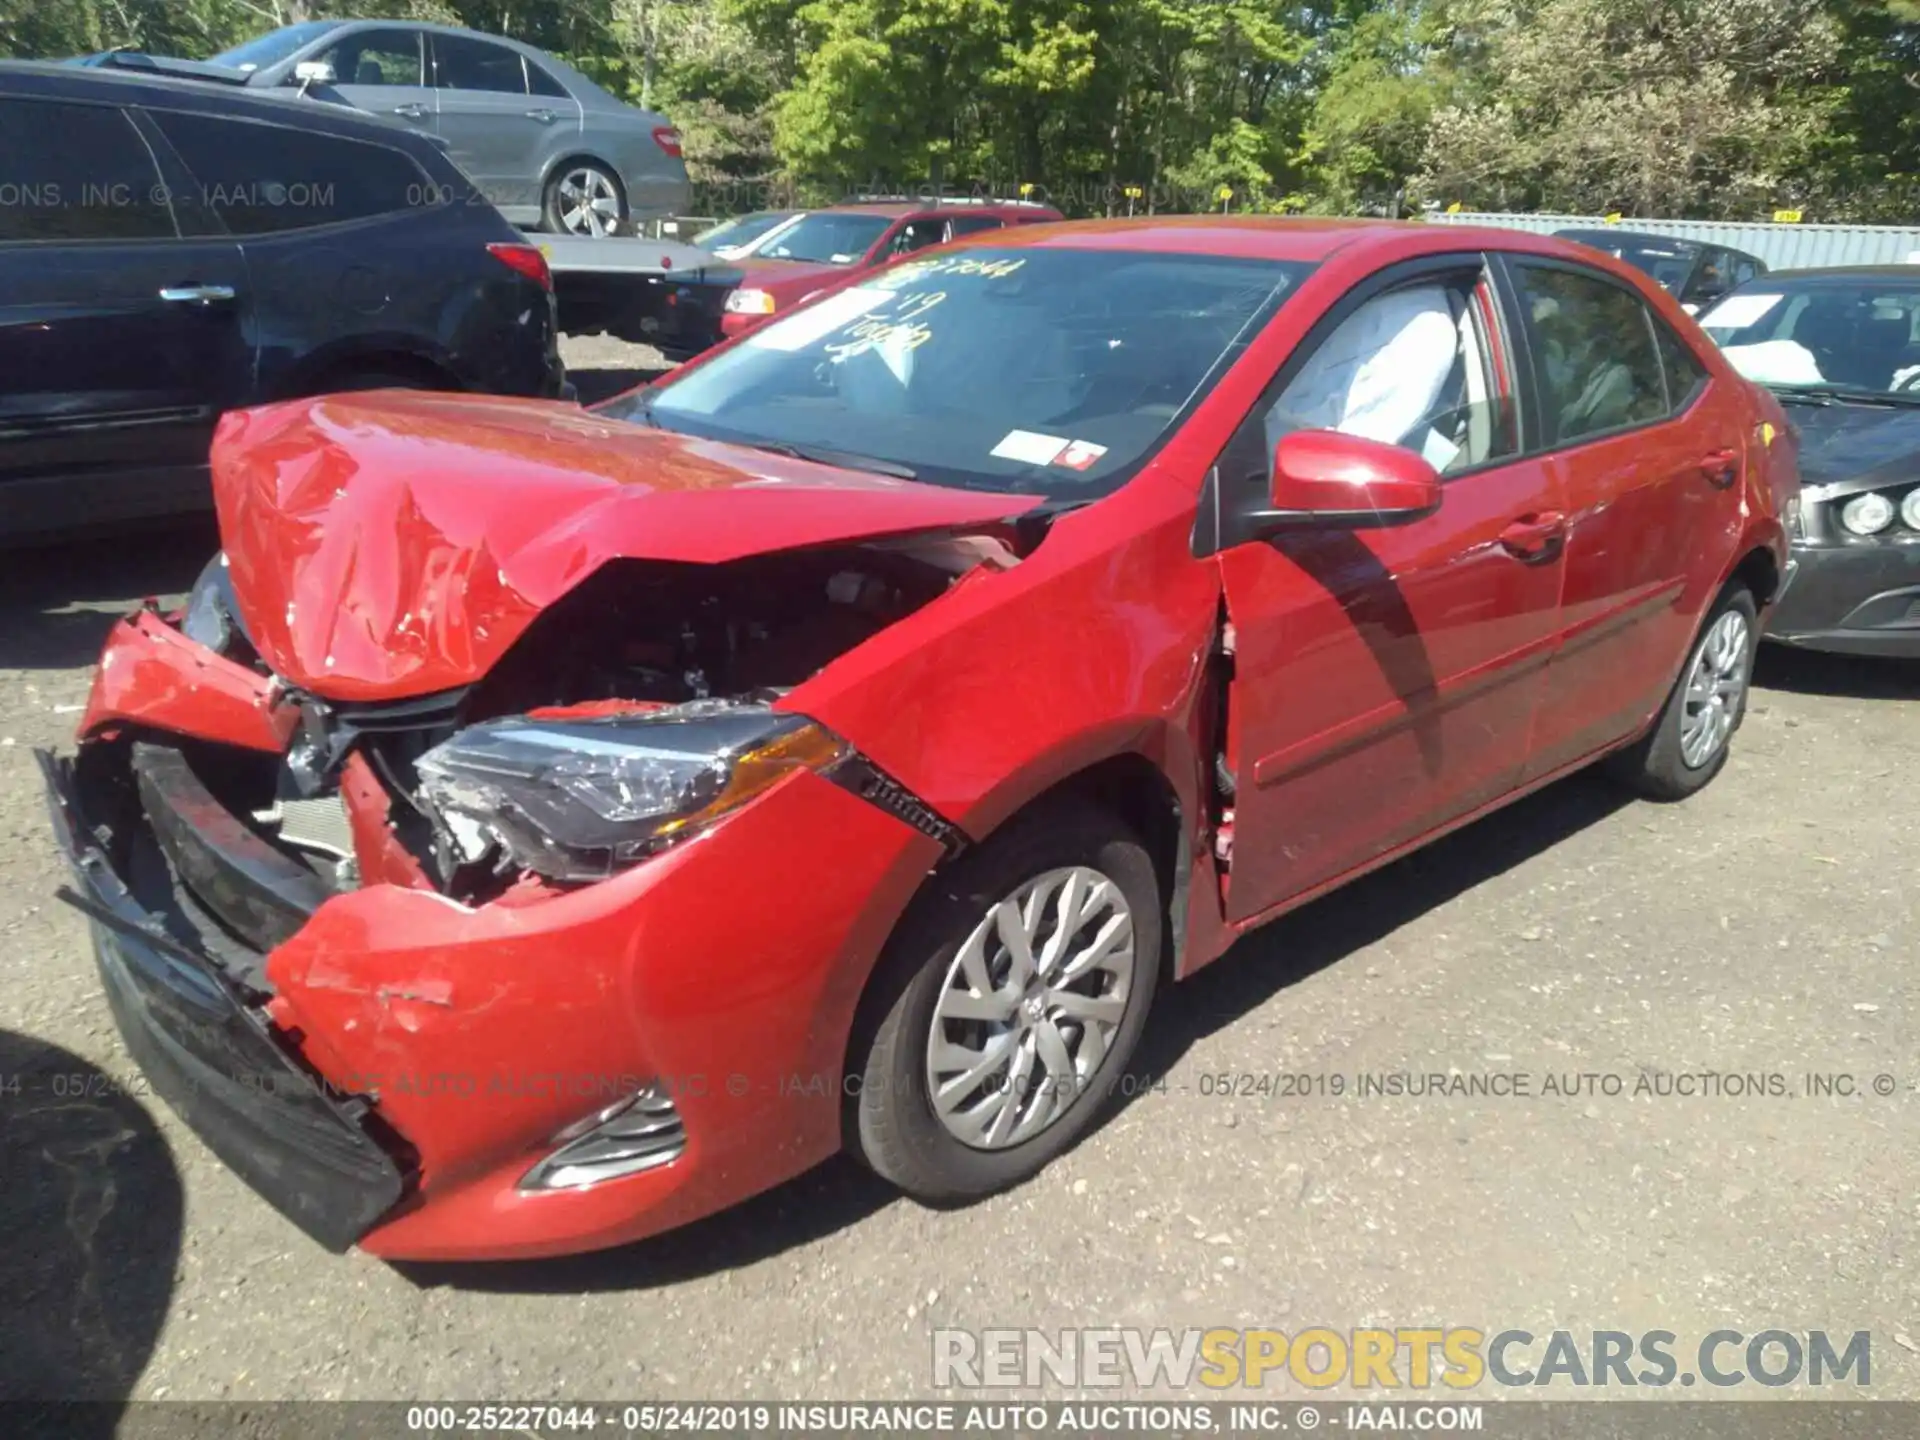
584 197
1009 1005
1689 743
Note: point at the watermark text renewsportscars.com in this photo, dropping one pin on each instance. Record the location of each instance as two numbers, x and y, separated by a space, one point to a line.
1450 1358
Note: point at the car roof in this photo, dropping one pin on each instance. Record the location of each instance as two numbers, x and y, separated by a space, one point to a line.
1276 237
896 209
1611 233
47 79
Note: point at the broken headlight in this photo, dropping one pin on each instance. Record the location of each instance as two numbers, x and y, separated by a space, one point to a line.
579 799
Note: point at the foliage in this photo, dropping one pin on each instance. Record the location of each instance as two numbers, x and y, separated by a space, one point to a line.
1668 107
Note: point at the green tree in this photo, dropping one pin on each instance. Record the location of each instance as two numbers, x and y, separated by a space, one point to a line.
1656 107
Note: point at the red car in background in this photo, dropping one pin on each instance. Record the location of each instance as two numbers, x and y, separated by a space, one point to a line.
819 247
544 827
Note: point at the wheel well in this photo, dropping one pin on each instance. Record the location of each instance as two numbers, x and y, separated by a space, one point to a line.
410 367
1760 572
1139 793
1129 786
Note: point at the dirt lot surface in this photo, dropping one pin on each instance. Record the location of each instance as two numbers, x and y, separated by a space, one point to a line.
1767 927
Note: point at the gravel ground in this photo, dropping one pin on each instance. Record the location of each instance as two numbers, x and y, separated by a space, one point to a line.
1765 926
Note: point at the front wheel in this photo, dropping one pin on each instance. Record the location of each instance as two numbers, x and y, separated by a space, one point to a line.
1688 744
1008 1005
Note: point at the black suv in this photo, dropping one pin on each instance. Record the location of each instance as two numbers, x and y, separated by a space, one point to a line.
170 250
1695 274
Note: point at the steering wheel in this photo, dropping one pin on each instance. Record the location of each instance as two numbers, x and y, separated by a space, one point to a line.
1907 382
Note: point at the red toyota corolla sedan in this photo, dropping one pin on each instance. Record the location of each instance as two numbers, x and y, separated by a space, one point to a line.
543 826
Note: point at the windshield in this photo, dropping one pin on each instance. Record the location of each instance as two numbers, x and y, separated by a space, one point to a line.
1039 371
740 229
1669 262
274 46
1858 336
826 237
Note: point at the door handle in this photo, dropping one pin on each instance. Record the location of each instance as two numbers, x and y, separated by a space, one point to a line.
1721 468
196 294
1535 537
411 111
545 117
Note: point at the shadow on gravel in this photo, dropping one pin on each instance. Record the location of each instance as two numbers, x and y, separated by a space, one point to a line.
56 601
841 1193
1297 946
1813 672
90 1212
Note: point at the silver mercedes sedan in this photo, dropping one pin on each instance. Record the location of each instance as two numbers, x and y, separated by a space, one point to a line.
546 145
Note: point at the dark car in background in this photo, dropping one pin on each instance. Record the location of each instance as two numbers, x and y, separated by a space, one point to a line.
542 141
1841 348
819 247
171 250
1694 274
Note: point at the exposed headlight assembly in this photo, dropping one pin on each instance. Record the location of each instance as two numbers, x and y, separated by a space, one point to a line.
580 799
208 619
1867 514
1910 509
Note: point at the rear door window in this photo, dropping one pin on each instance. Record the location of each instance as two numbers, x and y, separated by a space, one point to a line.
1596 365
77 172
463 64
263 178
539 82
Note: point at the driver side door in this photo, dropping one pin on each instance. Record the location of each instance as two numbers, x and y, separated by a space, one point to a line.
1384 681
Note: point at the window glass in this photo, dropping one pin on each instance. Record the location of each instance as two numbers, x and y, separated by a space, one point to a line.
541 83
76 172
1685 374
973 224
375 57
827 237
274 46
1594 356
463 64
1669 262
1040 371
918 235
1408 368
261 178
1857 334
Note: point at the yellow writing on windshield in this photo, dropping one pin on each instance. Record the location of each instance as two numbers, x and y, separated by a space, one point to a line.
914 271
899 326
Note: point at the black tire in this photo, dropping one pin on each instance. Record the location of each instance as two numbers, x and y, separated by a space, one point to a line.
552 202
892 1126
1655 765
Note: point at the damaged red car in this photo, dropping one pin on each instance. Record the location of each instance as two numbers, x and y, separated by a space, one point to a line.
546 826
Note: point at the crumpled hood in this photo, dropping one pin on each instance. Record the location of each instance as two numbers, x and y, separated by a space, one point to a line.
394 544
1857 442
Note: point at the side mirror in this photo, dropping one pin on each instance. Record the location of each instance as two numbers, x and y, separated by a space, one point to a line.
1325 480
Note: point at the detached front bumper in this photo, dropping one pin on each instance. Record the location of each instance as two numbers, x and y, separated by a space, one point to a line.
215 1058
1851 599
386 1065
